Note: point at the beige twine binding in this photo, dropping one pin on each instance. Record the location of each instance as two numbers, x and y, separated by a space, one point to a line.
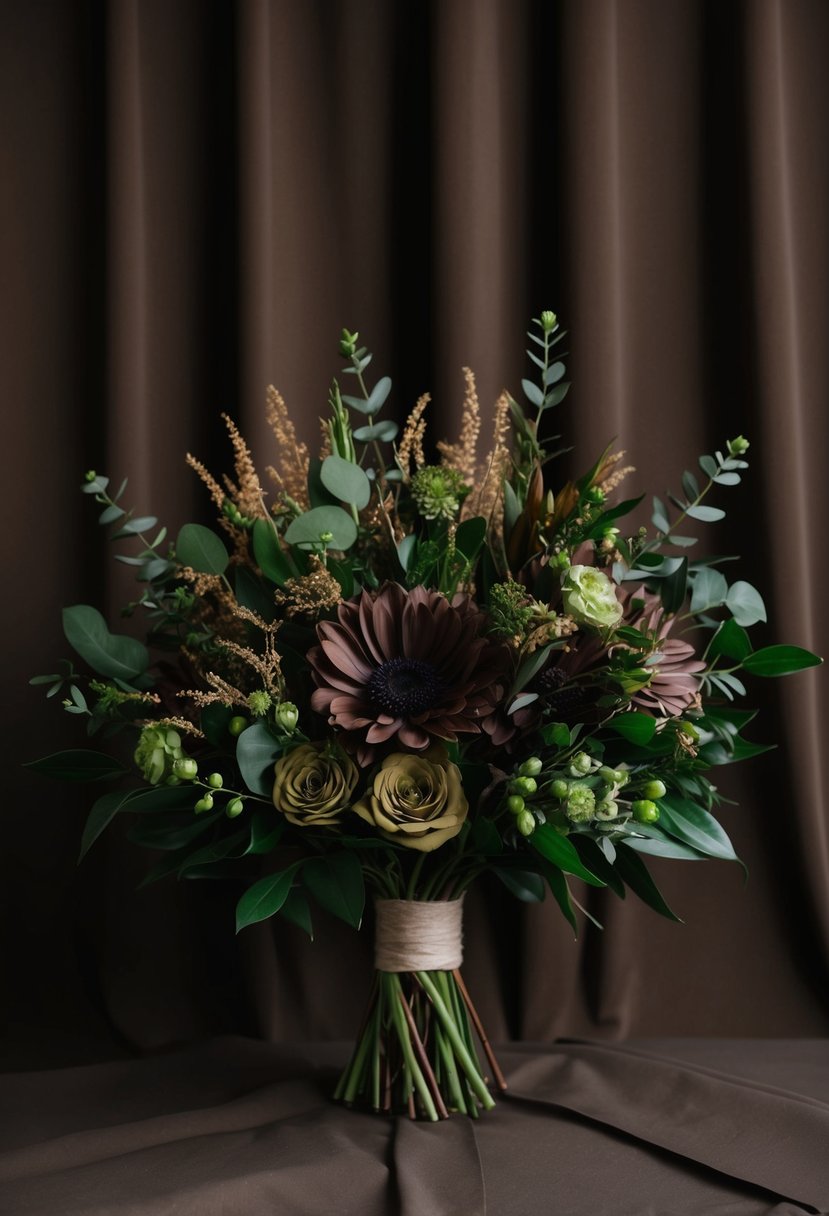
418 935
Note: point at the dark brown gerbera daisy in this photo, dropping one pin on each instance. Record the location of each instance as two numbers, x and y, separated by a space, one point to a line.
406 666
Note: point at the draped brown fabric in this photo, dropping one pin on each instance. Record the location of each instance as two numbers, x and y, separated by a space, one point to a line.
194 199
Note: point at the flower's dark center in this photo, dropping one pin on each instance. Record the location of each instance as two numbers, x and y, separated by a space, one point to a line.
551 686
405 687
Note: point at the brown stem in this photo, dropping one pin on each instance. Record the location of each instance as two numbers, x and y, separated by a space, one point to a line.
423 1060
500 1080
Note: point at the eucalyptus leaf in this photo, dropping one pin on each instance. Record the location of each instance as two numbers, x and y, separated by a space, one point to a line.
709 590
384 432
745 604
107 653
268 553
297 910
306 530
346 481
201 549
256 753
708 515
533 393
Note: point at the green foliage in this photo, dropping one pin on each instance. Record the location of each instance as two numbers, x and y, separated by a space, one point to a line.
108 654
202 550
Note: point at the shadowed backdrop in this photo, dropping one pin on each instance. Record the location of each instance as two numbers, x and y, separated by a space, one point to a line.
194 199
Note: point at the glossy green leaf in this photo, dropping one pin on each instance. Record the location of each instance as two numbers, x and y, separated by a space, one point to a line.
264 898
780 660
307 529
214 721
110 654
297 910
346 481
470 536
656 843
634 726
77 765
730 640
523 884
170 833
635 873
103 812
256 753
745 604
268 553
673 587
683 819
218 850
561 894
266 829
336 883
201 549
530 667
558 849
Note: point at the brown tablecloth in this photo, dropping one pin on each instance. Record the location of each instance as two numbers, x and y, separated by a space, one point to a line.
234 1127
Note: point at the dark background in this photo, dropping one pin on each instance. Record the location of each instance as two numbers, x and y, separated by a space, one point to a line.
194 198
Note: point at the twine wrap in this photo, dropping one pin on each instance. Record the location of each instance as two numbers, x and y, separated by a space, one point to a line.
418 935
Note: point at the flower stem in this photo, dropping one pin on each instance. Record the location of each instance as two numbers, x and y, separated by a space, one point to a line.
459 1047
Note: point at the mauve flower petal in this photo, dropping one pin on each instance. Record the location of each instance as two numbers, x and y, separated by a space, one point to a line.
346 661
413 736
379 734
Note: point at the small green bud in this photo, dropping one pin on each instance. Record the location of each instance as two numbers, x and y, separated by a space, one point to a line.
607 809
560 788
531 767
515 804
580 765
234 808
525 823
608 775
738 446
645 811
326 538
259 702
287 716
348 344
90 475
595 495
215 781
525 785
654 789
237 724
172 780
204 804
186 769
548 321
621 776
560 561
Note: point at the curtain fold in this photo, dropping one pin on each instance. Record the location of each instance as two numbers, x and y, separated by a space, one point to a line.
194 199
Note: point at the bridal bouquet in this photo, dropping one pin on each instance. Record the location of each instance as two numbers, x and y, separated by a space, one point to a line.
393 668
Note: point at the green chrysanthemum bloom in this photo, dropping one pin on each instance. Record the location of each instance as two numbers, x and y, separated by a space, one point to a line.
157 751
438 492
581 804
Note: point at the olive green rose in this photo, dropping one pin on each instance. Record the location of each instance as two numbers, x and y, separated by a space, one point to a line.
589 597
417 801
313 785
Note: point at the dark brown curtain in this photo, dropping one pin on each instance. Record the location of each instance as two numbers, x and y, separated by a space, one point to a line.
194 198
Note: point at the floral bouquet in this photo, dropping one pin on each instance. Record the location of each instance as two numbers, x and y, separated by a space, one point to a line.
394 671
